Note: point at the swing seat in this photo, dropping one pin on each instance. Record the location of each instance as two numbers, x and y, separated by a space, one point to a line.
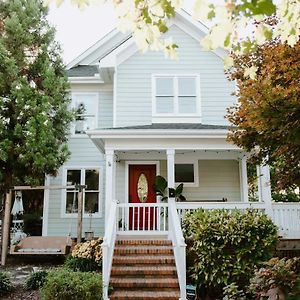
42 245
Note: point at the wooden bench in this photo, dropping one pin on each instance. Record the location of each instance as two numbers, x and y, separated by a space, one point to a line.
42 245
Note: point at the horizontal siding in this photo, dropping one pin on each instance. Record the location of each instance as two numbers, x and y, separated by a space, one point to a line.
134 99
105 110
84 154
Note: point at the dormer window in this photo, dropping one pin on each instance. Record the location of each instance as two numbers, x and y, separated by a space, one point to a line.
86 108
176 95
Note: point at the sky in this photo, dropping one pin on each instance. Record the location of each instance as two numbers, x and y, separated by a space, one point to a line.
77 30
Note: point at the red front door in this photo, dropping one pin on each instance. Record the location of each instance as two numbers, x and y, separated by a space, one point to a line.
141 180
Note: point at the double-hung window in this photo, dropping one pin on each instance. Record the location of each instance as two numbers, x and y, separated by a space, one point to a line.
86 108
90 177
176 95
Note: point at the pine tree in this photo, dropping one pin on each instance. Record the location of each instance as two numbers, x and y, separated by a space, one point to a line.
34 98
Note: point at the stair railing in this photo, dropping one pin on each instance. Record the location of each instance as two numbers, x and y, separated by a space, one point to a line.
179 246
108 247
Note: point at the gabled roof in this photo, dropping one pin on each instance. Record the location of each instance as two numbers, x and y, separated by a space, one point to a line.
83 71
115 41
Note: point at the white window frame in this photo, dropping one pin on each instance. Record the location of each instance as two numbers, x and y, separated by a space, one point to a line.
176 114
64 214
193 162
73 106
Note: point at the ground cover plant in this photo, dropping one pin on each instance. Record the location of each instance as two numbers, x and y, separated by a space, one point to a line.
5 284
64 284
227 246
36 280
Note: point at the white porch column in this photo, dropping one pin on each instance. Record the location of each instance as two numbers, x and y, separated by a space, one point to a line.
243 179
171 168
264 187
109 183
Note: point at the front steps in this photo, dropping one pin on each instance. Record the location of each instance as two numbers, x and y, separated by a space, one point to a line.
144 269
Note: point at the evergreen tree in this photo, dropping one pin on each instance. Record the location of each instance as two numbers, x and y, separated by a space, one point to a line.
34 98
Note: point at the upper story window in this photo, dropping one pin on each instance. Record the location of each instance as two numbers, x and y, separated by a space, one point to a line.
176 95
86 108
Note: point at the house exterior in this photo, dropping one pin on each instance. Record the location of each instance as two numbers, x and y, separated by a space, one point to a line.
142 115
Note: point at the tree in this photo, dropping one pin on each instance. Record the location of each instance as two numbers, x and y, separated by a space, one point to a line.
229 19
34 99
268 110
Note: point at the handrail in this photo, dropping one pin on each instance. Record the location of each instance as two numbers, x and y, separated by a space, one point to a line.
108 246
179 246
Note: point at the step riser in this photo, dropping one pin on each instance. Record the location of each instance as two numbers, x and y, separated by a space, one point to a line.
144 242
142 273
134 261
143 251
144 285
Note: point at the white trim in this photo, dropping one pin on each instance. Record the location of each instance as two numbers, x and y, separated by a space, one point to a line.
195 163
63 213
115 98
138 162
90 79
46 207
176 114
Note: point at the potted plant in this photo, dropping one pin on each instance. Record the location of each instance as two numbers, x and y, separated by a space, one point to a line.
160 188
79 118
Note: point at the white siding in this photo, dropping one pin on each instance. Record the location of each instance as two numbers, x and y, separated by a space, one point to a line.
134 95
105 114
84 154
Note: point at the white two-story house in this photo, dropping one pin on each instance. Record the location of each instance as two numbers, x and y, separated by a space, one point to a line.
142 115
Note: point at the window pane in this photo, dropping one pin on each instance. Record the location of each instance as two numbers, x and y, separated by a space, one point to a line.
92 179
164 104
72 202
184 173
73 177
91 202
187 105
164 86
187 86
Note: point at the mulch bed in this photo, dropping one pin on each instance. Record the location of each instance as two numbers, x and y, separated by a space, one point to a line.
20 293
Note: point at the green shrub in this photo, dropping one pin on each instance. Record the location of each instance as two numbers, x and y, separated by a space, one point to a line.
5 284
278 279
227 246
63 284
81 264
36 280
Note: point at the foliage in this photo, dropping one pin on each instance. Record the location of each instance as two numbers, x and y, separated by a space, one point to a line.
36 280
232 292
160 188
288 195
148 21
81 264
89 250
63 284
228 245
268 112
5 284
278 279
32 224
34 97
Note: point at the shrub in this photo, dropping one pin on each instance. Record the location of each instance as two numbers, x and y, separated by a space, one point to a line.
5 284
278 279
63 284
227 246
36 280
81 264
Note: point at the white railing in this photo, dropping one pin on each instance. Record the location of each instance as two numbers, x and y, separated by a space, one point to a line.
287 217
179 246
142 218
108 247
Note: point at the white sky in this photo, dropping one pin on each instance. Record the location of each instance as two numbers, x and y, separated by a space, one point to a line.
76 29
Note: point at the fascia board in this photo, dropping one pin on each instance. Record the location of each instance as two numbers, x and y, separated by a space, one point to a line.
90 79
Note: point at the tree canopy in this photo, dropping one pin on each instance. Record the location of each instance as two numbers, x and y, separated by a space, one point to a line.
34 99
268 111
229 20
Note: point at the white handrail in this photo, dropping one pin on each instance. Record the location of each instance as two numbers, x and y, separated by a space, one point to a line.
179 246
108 246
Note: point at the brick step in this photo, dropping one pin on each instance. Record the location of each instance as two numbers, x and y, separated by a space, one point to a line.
144 242
145 295
150 249
143 259
143 283
144 270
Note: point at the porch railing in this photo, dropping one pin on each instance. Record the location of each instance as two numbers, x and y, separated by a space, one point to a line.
108 247
179 246
287 217
142 218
